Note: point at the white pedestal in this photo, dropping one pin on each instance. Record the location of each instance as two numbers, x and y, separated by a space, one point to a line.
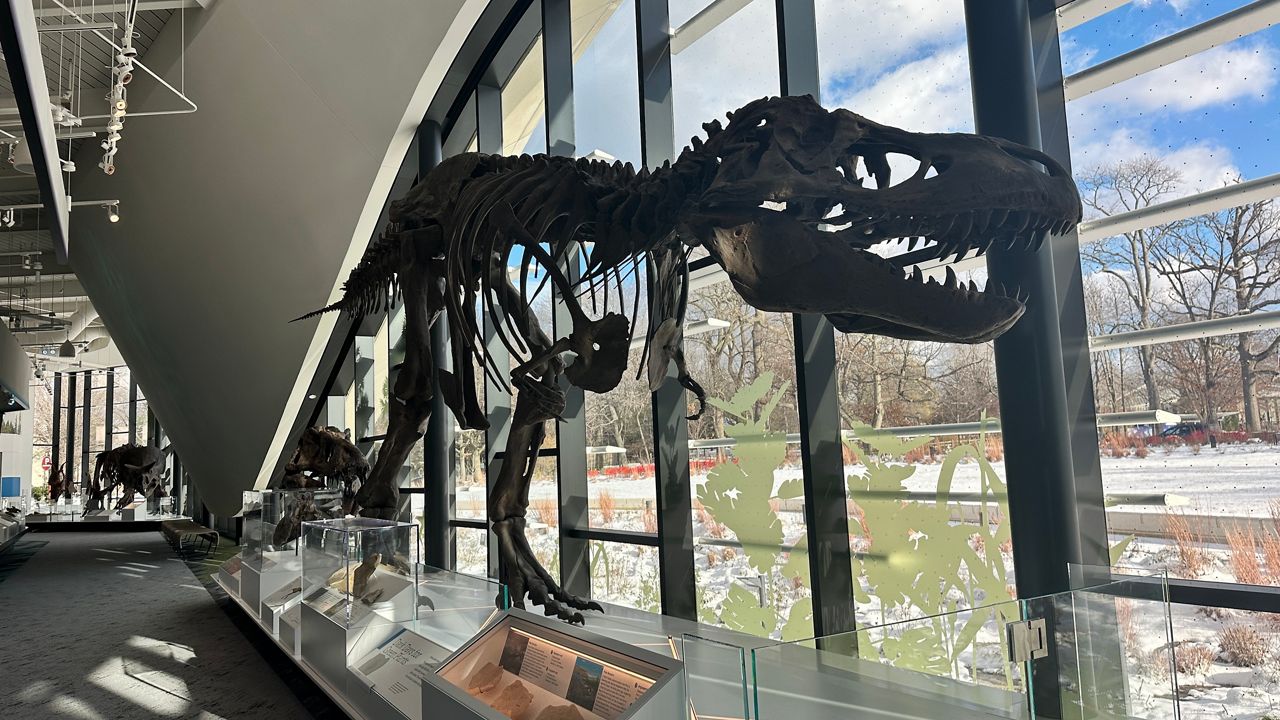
133 512
289 624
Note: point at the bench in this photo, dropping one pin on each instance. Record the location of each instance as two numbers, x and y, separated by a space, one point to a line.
184 535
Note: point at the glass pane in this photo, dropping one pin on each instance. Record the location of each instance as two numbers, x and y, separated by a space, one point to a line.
469 474
1196 117
925 668
1107 647
621 486
714 74
414 467
472 551
522 105
98 415
626 574
918 82
715 678
1226 656
141 429
41 419
749 544
381 384
543 528
1128 26
606 82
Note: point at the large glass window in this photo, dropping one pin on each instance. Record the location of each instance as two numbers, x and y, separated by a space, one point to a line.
712 72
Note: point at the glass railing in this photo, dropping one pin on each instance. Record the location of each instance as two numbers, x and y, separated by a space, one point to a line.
1090 653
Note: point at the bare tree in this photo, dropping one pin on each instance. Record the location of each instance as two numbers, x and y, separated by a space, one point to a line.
1248 238
1124 187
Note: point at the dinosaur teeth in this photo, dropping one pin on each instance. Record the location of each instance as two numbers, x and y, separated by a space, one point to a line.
973 287
951 278
999 218
916 274
982 221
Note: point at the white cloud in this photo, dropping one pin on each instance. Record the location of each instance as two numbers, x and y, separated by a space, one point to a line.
1179 5
1203 165
864 38
1222 75
928 95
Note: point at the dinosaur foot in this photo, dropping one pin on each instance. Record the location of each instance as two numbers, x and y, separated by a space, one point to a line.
523 574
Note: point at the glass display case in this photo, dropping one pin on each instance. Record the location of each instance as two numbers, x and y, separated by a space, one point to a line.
1066 655
388 663
272 525
12 522
526 666
356 575
283 513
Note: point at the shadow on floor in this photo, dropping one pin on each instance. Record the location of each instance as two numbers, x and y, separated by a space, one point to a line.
115 626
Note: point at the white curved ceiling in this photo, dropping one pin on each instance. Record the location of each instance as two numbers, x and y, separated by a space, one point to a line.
250 211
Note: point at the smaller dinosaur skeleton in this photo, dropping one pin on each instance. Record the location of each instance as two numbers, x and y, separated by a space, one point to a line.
326 455
131 468
302 507
59 484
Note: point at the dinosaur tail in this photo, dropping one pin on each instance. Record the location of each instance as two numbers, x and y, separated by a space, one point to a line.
371 283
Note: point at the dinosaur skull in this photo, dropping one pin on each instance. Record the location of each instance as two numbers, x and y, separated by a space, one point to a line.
801 195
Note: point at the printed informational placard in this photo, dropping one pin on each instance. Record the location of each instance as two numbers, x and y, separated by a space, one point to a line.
604 690
325 601
232 565
293 616
285 594
397 669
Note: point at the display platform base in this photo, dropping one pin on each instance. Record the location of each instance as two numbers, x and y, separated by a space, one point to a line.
12 539
101 521
289 642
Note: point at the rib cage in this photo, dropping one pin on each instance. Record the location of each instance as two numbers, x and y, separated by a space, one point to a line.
489 206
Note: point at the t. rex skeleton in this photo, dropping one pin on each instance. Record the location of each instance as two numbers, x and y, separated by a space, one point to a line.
776 197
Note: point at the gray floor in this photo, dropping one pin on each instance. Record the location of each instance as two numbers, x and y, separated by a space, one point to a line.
112 625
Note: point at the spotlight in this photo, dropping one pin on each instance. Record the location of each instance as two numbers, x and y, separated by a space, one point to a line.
113 212
115 126
66 349
6 219
68 166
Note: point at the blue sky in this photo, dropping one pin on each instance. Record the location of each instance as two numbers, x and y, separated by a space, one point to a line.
1214 111
1212 115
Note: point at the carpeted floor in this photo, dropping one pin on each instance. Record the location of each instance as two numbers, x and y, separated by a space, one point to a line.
14 557
107 626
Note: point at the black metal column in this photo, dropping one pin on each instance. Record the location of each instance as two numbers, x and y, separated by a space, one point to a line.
86 425
670 429
438 473
826 507
71 429
571 435
110 413
1033 403
1098 658
1082 412
55 456
497 402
